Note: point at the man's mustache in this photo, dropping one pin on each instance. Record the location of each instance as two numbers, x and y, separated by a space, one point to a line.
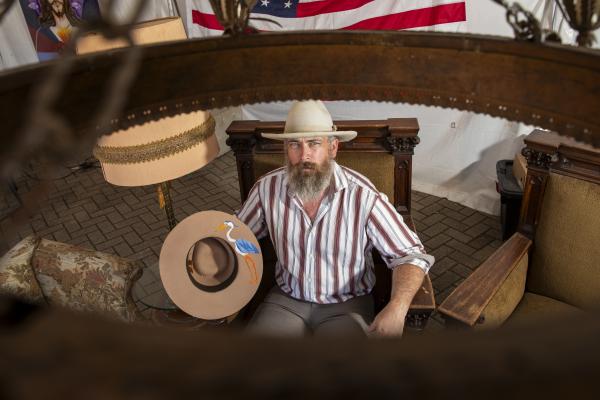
306 165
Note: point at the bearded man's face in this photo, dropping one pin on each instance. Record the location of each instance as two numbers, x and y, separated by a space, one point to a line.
310 166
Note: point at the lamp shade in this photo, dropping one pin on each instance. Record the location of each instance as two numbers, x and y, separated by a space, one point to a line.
155 151
158 151
154 31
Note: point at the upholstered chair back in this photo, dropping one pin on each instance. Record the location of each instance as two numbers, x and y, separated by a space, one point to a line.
566 259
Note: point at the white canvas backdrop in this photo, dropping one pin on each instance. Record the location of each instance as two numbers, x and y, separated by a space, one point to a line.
458 150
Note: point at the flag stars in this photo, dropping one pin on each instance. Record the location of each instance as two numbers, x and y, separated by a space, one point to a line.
264 3
288 4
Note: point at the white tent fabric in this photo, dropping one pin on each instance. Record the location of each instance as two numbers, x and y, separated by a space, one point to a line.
16 47
458 150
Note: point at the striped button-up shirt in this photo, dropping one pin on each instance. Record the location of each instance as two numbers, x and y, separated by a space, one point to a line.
328 260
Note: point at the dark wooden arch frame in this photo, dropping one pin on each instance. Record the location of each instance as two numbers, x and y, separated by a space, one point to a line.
547 85
396 368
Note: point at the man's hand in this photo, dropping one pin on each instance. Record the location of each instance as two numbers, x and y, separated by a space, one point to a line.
389 322
406 280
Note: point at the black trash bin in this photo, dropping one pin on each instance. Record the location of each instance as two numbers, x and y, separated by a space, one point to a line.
511 196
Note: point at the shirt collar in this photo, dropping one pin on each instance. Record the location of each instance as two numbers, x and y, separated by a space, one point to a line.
340 180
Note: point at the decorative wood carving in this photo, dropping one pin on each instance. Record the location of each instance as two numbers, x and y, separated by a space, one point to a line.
402 144
403 182
417 319
548 152
241 144
537 158
539 153
533 195
403 149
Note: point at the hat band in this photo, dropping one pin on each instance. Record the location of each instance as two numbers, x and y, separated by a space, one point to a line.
318 129
214 288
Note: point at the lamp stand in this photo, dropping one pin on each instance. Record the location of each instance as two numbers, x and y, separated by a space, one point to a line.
165 190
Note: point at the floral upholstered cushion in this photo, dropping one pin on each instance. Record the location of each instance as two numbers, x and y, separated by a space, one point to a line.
86 280
16 275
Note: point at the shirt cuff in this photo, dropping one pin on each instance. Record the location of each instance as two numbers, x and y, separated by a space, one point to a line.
423 261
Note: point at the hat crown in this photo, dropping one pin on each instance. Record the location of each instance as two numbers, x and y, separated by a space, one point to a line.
211 261
308 116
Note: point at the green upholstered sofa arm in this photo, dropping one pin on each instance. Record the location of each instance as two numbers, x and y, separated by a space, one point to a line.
491 293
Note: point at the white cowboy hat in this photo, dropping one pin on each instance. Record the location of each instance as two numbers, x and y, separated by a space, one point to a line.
308 119
211 265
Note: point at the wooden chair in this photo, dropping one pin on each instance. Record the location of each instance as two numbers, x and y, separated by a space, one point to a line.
382 151
551 266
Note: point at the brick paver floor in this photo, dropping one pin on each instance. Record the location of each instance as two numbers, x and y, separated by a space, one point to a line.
85 210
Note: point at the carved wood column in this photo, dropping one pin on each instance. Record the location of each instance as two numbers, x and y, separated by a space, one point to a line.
401 142
539 153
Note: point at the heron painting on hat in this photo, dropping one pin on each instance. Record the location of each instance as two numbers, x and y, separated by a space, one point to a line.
243 247
206 272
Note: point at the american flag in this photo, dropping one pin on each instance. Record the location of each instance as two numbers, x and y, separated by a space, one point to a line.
447 15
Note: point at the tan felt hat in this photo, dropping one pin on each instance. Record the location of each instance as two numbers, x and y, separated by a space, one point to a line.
309 118
211 265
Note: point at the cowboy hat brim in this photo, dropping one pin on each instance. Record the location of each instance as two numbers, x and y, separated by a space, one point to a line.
208 305
343 136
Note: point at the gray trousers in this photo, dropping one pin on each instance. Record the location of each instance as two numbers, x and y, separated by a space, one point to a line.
282 315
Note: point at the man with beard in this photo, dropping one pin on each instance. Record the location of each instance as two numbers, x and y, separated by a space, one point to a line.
323 220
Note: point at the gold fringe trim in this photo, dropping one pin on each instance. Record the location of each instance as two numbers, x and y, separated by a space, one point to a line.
156 150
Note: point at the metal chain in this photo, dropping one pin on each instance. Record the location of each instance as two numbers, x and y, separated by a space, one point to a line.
525 26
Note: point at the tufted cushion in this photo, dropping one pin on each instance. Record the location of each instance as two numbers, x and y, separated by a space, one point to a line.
565 263
16 275
86 280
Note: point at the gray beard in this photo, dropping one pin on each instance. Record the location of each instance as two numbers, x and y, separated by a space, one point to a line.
309 187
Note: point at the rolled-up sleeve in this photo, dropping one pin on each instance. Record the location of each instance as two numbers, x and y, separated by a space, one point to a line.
394 240
252 213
